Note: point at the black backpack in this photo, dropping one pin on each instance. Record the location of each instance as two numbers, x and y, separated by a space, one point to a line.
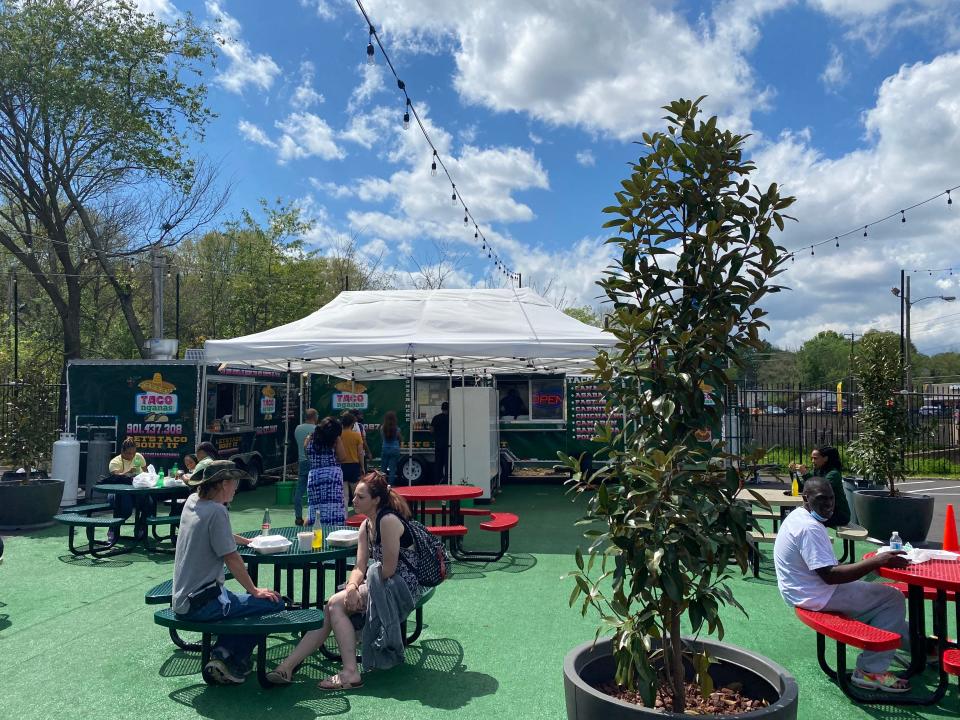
433 562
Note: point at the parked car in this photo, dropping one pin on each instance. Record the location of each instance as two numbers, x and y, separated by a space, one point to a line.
932 411
775 410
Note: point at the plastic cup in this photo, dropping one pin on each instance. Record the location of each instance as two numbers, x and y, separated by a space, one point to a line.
305 539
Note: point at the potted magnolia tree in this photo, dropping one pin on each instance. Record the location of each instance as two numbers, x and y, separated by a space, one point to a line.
28 499
696 257
877 452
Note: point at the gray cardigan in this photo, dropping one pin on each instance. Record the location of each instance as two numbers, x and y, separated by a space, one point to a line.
388 604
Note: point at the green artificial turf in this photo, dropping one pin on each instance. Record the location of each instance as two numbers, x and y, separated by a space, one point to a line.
77 641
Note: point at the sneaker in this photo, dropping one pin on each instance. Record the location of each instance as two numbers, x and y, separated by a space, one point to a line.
218 672
885 682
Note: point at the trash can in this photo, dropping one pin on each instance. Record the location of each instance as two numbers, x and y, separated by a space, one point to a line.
285 492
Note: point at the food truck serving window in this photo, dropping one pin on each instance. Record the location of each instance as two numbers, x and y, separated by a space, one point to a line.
229 406
536 400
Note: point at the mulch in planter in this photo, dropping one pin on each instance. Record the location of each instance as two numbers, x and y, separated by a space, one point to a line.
723 701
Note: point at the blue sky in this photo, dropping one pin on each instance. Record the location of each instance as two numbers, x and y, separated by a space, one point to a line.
854 106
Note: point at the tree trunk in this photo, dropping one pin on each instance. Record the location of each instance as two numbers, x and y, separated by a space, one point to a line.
675 661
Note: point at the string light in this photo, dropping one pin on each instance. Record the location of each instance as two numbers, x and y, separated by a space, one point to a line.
866 227
410 113
466 220
132 268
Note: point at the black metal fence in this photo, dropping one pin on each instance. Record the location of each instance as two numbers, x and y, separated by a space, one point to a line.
789 421
42 404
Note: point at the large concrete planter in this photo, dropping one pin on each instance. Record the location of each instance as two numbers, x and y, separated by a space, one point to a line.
881 514
588 664
30 505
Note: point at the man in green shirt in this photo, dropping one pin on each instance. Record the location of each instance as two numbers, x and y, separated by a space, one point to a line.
300 434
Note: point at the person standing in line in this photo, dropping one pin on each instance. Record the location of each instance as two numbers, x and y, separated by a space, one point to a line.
390 452
353 454
440 426
362 427
325 500
301 434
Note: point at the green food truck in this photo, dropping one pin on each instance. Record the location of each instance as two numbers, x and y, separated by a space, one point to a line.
539 415
169 406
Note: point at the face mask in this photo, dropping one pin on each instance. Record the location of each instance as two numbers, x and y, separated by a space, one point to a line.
818 517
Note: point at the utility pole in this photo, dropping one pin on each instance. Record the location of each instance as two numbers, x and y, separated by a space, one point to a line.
16 332
906 347
902 351
157 263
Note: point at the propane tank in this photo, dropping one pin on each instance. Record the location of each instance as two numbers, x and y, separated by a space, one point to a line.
98 461
66 466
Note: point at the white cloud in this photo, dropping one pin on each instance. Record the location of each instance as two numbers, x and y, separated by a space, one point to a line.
913 136
834 75
332 189
370 85
535 139
306 135
305 96
586 158
322 8
163 9
254 134
302 135
555 62
243 67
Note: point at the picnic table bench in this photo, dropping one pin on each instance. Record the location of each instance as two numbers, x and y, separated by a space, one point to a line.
847 631
283 621
162 594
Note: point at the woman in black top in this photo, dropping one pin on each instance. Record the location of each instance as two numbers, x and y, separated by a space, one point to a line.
826 464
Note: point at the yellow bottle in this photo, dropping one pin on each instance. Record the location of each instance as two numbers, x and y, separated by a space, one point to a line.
317 543
795 487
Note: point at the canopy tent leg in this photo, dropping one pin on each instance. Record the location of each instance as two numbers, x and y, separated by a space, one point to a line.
286 426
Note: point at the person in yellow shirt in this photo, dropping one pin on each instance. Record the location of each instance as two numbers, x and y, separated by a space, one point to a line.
351 460
128 463
123 468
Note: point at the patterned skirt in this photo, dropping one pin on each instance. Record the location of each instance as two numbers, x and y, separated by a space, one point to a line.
325 496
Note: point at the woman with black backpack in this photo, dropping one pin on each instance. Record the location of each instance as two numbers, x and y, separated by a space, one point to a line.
387 544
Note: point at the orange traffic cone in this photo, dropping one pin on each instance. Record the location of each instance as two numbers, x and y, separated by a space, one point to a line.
950 531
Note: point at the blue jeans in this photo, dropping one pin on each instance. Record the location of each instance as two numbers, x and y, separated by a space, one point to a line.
237 647
389 457
303 470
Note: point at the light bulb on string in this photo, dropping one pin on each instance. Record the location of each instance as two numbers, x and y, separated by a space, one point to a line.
453 195
168 273
949 199
836 239
201 275
433 165
131 265
864 230
812 252
406 116
371 59
903 217
465 220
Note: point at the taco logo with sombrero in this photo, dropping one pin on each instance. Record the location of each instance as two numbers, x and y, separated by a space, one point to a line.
158 397
268 402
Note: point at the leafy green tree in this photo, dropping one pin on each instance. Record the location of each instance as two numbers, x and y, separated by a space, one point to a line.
824 359
256 275
696 258
877 451
97 103
586 314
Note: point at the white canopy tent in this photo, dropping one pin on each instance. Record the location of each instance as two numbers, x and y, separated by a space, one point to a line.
369 334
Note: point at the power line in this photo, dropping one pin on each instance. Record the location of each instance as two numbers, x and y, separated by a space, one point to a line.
410 109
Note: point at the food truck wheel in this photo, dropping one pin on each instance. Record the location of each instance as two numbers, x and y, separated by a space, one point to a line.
253 470
411 470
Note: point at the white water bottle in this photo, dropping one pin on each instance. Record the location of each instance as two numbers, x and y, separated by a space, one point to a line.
895 542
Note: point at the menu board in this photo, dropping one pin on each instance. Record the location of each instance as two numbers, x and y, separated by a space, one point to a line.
586 406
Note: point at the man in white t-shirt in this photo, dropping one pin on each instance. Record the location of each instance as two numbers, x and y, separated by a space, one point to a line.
810 577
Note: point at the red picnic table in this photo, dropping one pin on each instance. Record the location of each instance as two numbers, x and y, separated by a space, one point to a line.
941 577
420 495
